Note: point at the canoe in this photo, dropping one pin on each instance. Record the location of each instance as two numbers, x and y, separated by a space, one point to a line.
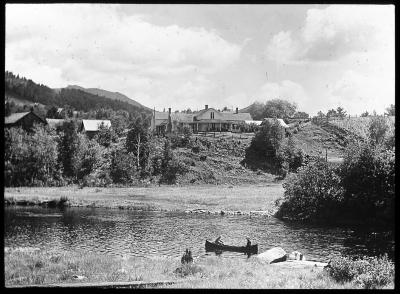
210 246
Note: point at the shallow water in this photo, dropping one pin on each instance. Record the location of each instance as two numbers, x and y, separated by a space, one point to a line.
154 234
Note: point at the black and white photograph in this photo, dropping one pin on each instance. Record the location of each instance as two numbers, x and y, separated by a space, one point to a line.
199 146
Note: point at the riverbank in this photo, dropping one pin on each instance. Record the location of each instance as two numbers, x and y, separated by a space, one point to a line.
36 267
246 199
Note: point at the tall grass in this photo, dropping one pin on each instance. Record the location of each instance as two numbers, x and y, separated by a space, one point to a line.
46 267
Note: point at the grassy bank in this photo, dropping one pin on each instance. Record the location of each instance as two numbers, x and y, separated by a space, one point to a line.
244 198
38 267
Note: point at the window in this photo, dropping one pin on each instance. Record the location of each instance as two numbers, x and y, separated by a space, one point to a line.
212 115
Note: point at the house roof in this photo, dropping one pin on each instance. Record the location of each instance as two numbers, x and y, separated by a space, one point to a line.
93 125
189 117
236 116
280 121
13 118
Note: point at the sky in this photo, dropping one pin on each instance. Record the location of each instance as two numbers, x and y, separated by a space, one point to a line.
185 56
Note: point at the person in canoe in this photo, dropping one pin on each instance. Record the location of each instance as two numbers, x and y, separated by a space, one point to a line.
218 241
248 245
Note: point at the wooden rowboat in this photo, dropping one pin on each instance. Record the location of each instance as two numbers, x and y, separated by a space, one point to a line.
210 246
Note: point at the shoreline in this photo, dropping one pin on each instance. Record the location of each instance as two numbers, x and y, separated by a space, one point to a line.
210 199
43 268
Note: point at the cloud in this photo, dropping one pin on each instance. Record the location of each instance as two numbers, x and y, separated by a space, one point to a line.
287 90
356 92
77 42
333 32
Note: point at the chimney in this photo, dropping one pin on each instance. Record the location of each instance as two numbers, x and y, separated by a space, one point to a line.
206 106
237 110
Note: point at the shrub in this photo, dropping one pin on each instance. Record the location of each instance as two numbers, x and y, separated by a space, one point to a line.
369 272
291 158
170 165
30 157
263 150
313 193
368 177
122 166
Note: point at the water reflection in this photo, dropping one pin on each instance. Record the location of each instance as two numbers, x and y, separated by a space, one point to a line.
122 232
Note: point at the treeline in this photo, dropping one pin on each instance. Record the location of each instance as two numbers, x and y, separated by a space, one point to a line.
48 157
360 189
75 99
275 108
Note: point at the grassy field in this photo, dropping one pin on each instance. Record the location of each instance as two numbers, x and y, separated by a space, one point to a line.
169 198
37 267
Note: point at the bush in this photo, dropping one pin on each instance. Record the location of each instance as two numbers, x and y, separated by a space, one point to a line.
263 150
30 158
170 165
313 193
122 166
291 158
368 177
369 272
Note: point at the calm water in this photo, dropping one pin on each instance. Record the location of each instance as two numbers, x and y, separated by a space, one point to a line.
147 234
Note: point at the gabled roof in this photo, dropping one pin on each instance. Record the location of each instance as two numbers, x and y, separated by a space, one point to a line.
13 118
182 117
256 122
93 125
236 116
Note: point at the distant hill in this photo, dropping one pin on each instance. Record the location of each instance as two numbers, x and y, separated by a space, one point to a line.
26 90
108 94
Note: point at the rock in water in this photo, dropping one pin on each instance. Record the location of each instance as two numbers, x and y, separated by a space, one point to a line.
273 255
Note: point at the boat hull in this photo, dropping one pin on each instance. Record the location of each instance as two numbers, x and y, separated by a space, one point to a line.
253 249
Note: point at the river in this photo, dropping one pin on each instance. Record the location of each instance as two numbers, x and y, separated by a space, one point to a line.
151 234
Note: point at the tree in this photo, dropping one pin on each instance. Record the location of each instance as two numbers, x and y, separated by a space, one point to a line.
105 136
68 147
391 111
365 114
263 150
53 113
331 113
301 115
378 128
341 112
278 108
137 143
320 114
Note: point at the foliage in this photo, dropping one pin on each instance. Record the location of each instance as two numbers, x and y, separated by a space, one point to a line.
291 157
171 166
105 136
123 165
341 112
301 115
364 114
368 177
391 110
314 192
68 148
30 158
90 156
137 143
263 150
275 108
377 129
26 89
369 272
320 114
331 113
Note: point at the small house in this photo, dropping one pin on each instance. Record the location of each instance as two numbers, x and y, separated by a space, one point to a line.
91 126
26 120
